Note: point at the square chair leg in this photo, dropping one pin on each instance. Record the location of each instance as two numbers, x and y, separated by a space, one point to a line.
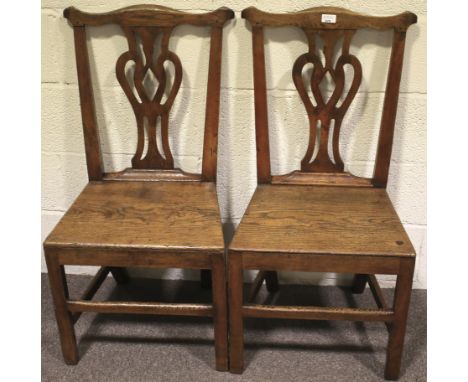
359 283
271 281
58 288
218 278
236 324
398 327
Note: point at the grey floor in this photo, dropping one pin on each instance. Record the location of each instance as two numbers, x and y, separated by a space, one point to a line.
152 348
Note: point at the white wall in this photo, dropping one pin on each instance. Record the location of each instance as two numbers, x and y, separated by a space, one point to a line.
63 160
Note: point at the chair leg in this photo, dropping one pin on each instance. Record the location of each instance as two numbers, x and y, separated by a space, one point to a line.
120 275
271 280
218 274
398 326
63 316
236 325
205 278
359 283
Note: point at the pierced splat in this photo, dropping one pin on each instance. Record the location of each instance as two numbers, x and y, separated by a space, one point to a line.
326 115
146 96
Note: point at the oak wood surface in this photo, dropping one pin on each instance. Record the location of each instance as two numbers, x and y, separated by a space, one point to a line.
326 118
324 262
59 291
148 29
148 15
219 313
213 93
345 19
92 288
397 331
387 125
134 257
236 322
88 108
175 175
317 178
377 292
321 220
316 313
152 215
261 108
158 308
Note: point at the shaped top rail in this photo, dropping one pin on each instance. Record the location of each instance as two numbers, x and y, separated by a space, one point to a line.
318 18
148 15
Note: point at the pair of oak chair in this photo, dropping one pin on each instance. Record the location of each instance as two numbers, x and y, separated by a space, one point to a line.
153 215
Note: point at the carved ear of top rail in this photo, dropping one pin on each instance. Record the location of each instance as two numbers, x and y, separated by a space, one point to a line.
143 73
335 27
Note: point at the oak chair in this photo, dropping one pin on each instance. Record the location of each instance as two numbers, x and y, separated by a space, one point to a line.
321 218
151 215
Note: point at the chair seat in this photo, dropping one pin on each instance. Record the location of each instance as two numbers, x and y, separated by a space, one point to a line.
321 220
169 216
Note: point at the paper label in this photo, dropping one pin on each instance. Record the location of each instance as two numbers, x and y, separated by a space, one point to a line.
328 19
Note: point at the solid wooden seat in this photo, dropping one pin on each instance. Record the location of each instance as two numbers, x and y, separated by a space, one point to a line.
154 216
151 215
321 220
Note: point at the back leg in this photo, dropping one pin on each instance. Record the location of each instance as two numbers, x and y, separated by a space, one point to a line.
271 279
359 283
120 275
205 278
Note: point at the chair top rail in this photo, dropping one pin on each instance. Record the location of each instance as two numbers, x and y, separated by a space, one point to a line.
148 15
329 18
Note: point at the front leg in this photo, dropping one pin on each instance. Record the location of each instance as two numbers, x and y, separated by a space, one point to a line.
120 275
59 291
401 302
236 320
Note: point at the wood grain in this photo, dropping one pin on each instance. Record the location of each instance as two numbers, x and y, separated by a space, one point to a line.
64 317
88 108
220 305
92 288
148 15
133 307
321 179
401 303
387 125
316 313
322 220
345 19
236 324
130 174
150 108
325 262
261 108
151 215
148 29
323 115
326 117
144 257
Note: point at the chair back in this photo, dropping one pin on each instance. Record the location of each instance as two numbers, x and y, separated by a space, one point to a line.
143 26
322 162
